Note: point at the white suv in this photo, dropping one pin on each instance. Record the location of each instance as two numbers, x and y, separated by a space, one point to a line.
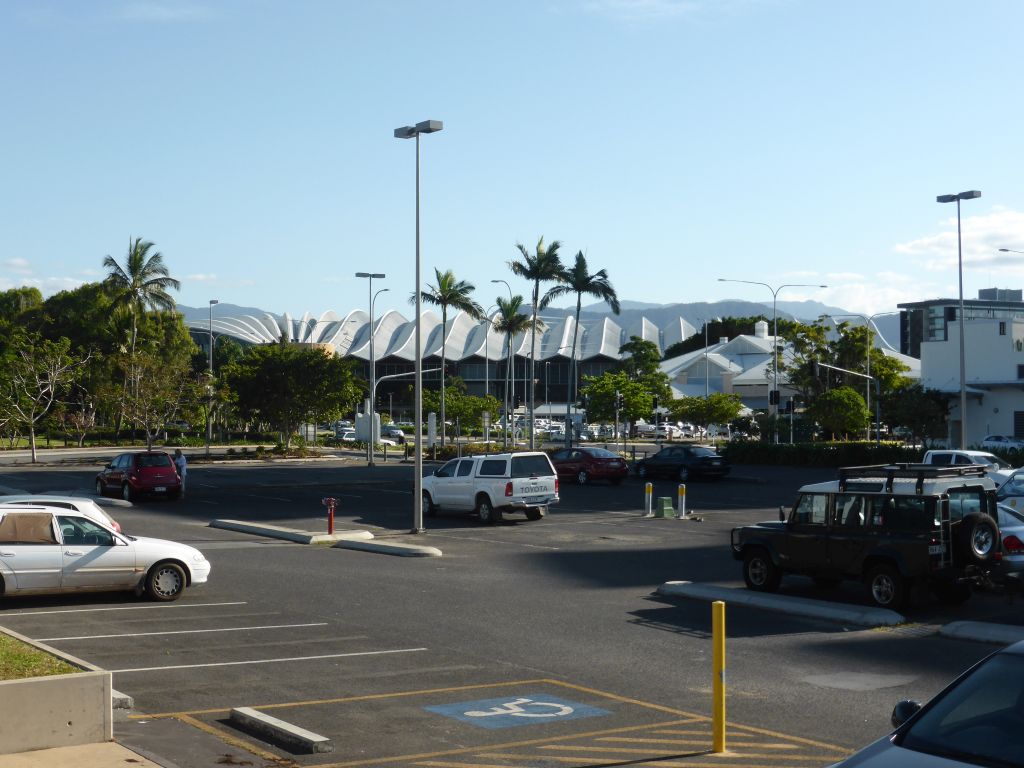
492 485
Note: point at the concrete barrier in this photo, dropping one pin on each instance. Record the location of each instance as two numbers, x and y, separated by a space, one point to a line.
55 711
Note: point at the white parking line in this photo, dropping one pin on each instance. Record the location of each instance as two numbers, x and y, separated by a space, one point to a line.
180 632
267 661
126 608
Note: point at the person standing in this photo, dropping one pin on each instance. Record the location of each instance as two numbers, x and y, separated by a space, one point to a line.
182 466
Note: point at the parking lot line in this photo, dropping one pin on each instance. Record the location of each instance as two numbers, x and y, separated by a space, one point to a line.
124 608
181 632
266 661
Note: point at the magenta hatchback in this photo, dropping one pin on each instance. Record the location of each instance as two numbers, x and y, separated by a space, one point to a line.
137 474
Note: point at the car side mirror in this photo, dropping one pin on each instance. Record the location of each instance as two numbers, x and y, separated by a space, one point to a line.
904 711
109 466
782 514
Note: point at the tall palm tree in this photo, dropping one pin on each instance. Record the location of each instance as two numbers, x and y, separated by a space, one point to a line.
141 283
578 280
511 321
453 293
543 266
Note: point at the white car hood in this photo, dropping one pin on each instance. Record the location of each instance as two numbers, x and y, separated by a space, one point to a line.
153 549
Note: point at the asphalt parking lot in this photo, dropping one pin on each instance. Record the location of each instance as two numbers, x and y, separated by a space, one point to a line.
387 656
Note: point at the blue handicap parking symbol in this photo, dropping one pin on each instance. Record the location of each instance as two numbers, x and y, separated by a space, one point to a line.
510 711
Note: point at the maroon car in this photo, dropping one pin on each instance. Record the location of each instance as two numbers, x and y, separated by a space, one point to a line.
585 464
136 474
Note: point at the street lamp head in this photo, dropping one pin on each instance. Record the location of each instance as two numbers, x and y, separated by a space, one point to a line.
946 199
374 275
405 132
214 301
968 195
410 131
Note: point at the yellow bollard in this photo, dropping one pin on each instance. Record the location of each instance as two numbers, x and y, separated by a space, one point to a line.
648 500
718 684
681 506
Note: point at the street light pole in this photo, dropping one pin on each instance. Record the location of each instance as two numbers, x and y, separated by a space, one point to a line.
510 377
372 410
707 372
209 386
969 195
409 132
775 339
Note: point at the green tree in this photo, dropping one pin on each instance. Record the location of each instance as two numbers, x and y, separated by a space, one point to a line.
543 266
716 408
14 302
286 385
511 321
920 411
453 293
35 373
600 393
839 411
578 280
141 283
641 362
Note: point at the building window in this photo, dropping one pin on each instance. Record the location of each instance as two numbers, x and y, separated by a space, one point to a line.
1002 327
1020 371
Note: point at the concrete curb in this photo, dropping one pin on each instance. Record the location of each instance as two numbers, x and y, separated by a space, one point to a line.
289 534
279 732
864 616
390 548
983 632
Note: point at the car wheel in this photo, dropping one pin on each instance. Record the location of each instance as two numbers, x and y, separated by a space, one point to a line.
976 537
99 487
759 572
165 582
535 513
126 492
581 477
428 505
486 511
641 472
683 474
887 587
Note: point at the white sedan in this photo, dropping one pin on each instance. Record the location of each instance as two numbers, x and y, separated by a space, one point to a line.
50 550
87 507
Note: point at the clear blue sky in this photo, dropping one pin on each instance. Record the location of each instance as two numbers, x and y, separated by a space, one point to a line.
673 141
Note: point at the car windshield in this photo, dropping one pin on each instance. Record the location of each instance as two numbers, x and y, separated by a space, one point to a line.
601 453
154 460
979 720
699 450
992 459
530 466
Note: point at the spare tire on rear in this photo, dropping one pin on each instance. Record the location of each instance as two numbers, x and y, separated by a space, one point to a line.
976 539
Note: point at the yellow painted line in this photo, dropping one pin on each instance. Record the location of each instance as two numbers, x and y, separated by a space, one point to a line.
231 739
732 742
659 762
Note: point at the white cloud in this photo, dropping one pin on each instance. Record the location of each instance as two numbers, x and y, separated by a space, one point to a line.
981 235
163 11
201 278
18 266
46 285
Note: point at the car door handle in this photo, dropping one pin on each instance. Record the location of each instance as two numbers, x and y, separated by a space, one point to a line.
7 554
72 552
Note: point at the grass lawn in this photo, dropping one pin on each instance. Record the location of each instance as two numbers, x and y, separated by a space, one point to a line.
19 660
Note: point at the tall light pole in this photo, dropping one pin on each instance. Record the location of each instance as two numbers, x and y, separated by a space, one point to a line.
510 378
775 338
969 195
487 362
372 410
209 387
707 372
410 132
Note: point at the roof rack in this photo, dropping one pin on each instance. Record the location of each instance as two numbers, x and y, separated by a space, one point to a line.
917 472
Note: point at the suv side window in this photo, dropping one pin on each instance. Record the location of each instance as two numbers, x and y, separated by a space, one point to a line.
966 501
492 468
941 459
811 509
465 468
852 510
905 513
535 465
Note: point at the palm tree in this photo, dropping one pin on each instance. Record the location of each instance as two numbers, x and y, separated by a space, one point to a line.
510 321
449 292
141 283
579 281
543 266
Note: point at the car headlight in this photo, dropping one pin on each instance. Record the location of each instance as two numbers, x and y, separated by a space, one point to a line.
198 558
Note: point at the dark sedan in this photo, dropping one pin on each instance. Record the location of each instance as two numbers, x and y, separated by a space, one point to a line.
682 462
584 464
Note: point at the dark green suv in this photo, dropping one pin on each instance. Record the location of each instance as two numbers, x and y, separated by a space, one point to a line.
893 527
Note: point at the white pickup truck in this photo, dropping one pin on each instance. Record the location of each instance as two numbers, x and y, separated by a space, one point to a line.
997 468
492 485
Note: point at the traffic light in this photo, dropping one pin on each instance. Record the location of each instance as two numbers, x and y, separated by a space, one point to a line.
655 406
773 397
619 401
518 401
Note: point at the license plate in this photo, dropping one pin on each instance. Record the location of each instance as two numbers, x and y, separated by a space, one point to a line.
936 549
160 488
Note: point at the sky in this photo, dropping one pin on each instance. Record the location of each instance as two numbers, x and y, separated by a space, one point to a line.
673 142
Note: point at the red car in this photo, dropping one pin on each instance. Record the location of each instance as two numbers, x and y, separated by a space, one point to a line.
135 474
587 463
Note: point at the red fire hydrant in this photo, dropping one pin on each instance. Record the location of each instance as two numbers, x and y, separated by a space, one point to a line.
330 503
